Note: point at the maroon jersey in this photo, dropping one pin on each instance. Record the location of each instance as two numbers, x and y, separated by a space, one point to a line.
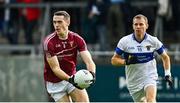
65 50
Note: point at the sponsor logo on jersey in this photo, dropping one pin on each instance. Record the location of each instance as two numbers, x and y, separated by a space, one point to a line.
148 47
131 48
58 45
71 43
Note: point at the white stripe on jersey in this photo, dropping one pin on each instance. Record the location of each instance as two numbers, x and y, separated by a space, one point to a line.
47 39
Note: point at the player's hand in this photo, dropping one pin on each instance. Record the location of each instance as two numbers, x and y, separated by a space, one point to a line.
131 60
94 76
169 80
71 80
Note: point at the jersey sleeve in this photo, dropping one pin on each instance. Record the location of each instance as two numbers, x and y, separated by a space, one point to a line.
81 44
120 46
48 49
159 46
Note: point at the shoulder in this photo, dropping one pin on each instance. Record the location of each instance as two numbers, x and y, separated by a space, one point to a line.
127 38
152 38
48 38
125 41
75 36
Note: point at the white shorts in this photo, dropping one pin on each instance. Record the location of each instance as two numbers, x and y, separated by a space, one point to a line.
58 90
141 95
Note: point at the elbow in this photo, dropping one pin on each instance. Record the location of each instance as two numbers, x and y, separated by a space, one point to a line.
117 62
166 58
113 62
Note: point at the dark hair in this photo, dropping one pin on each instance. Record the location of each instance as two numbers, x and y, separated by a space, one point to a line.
139 16
62 13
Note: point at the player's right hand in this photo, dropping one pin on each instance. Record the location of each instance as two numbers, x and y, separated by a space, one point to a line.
169 80
71 80
131 60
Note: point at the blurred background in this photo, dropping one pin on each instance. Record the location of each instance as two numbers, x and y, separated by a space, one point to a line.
24 24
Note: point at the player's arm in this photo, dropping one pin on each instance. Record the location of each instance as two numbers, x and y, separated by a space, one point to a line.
166 63
86 56
167 68
54 64
117 60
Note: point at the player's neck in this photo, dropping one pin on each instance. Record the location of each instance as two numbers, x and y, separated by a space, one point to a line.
63 36
139 37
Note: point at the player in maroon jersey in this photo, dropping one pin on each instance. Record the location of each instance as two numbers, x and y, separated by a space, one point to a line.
60 56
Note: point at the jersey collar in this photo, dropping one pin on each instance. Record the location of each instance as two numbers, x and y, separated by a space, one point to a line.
145 36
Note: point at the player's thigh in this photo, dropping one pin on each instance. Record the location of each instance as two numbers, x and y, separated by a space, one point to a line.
59 91
139 96
79 95
151 91
65 98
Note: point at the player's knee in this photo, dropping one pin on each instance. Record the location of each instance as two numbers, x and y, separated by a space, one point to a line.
79 96
81 99
151 99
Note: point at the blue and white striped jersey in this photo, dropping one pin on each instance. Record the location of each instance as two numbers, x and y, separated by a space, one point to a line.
145 70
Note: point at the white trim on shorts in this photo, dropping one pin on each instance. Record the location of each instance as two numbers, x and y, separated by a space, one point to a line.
60 89
153 84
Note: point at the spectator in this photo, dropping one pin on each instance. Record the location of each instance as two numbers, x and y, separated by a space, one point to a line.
176 16
11 21
30 18
116 24
1 16
97 17
164 15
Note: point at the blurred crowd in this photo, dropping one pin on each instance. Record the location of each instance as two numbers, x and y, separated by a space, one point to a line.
101 23
12 19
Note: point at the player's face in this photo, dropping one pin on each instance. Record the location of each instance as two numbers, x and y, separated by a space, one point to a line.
60 25
140 26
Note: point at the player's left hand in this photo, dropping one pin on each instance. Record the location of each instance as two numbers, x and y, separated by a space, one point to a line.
131 60
94 76
169 80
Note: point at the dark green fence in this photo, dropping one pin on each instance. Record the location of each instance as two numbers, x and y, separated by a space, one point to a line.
111 86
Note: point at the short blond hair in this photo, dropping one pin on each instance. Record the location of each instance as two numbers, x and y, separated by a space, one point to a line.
140 16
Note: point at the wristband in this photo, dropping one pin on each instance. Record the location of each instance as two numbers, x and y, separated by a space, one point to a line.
167 72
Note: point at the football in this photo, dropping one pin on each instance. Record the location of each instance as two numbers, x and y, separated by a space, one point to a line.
83 78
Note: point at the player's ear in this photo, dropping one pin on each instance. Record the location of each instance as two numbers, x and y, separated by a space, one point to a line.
147 26
68 22
133 26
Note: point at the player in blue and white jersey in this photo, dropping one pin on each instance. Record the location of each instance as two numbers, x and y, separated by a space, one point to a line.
136 52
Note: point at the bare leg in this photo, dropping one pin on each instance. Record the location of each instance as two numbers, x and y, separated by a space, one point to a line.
65 98
151 94
79 95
